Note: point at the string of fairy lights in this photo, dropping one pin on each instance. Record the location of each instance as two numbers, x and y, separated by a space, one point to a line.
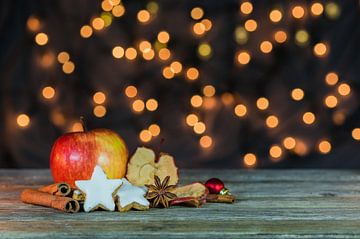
172 66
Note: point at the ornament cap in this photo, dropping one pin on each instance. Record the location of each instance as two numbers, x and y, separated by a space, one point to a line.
225 191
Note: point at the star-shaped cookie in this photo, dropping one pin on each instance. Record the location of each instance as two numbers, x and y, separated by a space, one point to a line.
130 196
99 190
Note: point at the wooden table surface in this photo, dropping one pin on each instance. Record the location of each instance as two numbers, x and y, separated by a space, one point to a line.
271 204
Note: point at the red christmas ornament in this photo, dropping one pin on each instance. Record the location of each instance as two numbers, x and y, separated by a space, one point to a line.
216 186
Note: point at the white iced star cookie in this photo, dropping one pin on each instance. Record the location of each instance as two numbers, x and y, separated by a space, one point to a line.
130 196
99 190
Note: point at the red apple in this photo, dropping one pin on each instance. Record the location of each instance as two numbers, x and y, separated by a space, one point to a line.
74 155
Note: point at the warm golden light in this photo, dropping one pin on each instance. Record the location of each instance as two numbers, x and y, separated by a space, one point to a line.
207 23
272 121
199 128
145 135
196 101
275 151
344 89
138 105
47 59
324 147
332 10
99 111
197 13
266 47
33 24
77 127
250 25
289 143
355 133
209 90
250 160
262 103
98 23
118 11
68 67
164 54
63 57
57 118
151 104
86 31
317 9
308 117
149 54
241 35
338 117
209 103
297 94
199 28
246 8
130 53
275 15
163 37
320 49
154 129
144 46
280 36
227 98
118 52
99 97
143 16
23 120
302 37
205 141
331 78
240 110
192 74
243 57
41 39
331 101
168 73
106 5
152 7
176 67
298 12
131 91
48 92
301 148
192 119
204 50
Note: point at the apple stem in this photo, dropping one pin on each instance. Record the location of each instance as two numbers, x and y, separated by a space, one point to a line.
83 123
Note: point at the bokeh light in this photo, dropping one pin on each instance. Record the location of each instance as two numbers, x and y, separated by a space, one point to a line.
289 143
99 97
145 136
196 101
246 8
272 121
297 94
131 91
355 133
344 89
250 160
250 25
151 104
308 118
138 105
192 119
99 111
23 120
324 147
41 39
154 130
275 15
331 78
48 92
262 103
206 141
240 110
199 128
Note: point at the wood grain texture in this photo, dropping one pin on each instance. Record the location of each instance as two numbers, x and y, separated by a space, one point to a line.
271 204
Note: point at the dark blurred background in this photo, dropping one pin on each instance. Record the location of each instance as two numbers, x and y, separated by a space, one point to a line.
225 84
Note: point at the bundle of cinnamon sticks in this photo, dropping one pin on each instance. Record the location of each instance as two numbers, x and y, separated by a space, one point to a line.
57 196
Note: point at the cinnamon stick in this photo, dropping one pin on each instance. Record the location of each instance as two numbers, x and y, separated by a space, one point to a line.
218 198
59 189
65 204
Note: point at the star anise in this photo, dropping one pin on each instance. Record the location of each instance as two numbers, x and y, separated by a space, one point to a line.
159 194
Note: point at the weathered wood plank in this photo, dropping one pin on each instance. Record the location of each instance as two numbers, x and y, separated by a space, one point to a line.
275 204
